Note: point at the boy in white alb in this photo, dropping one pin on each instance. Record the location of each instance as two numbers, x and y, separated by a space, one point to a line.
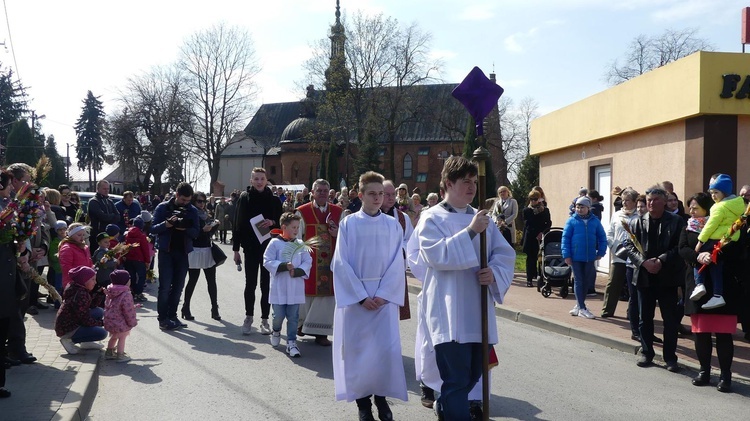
444 253
288 261
368 276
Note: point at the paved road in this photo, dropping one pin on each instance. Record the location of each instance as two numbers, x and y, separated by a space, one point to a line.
211 371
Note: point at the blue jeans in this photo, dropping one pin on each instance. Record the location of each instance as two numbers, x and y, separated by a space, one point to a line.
460 367
291 313
585 277
173 268
91 333
137 271
715 269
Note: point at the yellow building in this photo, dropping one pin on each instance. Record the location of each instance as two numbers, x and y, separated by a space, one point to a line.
682 122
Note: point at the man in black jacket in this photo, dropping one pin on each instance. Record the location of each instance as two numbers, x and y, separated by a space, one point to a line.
102 212
257 200
657 273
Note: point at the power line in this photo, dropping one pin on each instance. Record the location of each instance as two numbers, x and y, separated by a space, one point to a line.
10 40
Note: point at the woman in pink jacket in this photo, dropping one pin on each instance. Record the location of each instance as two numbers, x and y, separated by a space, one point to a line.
73 251
119 315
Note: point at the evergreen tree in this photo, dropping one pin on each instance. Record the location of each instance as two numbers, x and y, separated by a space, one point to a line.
21 145
332 173
528 177
310 178
12 103
470 140
368 157
90 129
322 170
58 175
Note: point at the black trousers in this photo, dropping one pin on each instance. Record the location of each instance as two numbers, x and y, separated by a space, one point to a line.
17 329
253 263
667 298
4 323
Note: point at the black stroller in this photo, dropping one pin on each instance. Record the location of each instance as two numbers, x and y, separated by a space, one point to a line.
553 271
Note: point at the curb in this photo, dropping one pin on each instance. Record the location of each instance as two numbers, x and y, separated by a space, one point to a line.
80 397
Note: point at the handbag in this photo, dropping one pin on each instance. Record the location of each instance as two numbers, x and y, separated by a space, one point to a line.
218 254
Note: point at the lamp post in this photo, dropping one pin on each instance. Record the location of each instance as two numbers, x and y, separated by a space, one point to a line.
34 118
67 162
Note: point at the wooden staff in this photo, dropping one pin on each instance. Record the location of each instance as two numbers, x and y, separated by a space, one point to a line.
481 155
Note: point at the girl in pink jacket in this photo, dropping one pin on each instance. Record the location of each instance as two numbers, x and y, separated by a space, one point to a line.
73 251
119 315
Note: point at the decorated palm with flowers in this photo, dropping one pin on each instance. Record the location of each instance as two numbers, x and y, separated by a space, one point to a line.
115 253
22 217
403 204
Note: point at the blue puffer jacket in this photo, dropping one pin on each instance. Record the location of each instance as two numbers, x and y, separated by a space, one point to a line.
583 238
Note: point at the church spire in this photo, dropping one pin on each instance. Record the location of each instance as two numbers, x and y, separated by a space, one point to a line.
337 75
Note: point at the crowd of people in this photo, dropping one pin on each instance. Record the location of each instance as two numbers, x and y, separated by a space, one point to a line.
685 258
332 265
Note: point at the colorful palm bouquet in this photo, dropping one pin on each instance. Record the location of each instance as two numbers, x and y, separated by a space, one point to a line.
115 253
21 218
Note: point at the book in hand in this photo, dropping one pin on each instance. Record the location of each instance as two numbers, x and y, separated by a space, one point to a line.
261 232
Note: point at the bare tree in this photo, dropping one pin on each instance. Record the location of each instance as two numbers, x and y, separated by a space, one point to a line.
147 131
220 66
385 61
646 53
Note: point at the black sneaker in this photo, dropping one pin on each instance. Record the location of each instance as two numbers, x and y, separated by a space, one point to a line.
644 361
428 396
475 410
178 323
167 325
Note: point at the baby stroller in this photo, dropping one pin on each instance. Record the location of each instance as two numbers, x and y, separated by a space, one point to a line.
551 267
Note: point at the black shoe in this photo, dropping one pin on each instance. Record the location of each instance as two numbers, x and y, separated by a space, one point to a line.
26 358
215 313
529 284
178 323
725 383
41 305
428 396
657 340
384 411
645 361
475 410
186 314
672 367
168 325
32 311
635 337
702 379
605 315
4 393
366 415
12 361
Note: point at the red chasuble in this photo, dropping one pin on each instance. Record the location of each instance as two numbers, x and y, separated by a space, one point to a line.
320 282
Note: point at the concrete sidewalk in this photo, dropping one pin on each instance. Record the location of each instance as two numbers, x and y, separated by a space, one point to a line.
58 386
63 387
526 305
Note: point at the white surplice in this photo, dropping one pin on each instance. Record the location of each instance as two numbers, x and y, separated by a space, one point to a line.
284 288
368 262
442 254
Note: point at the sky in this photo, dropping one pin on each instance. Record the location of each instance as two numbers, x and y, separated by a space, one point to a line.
550 50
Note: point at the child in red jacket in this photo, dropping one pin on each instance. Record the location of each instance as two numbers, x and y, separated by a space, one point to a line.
119 315
138 258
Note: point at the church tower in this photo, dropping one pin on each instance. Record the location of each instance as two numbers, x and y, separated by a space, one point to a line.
337 75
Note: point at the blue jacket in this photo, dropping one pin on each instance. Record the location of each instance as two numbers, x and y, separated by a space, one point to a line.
583 239
133 210
164 234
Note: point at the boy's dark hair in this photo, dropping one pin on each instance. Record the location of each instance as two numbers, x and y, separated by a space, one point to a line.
288 217
457 167
184 189
369 177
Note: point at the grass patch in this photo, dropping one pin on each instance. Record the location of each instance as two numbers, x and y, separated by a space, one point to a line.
520 262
